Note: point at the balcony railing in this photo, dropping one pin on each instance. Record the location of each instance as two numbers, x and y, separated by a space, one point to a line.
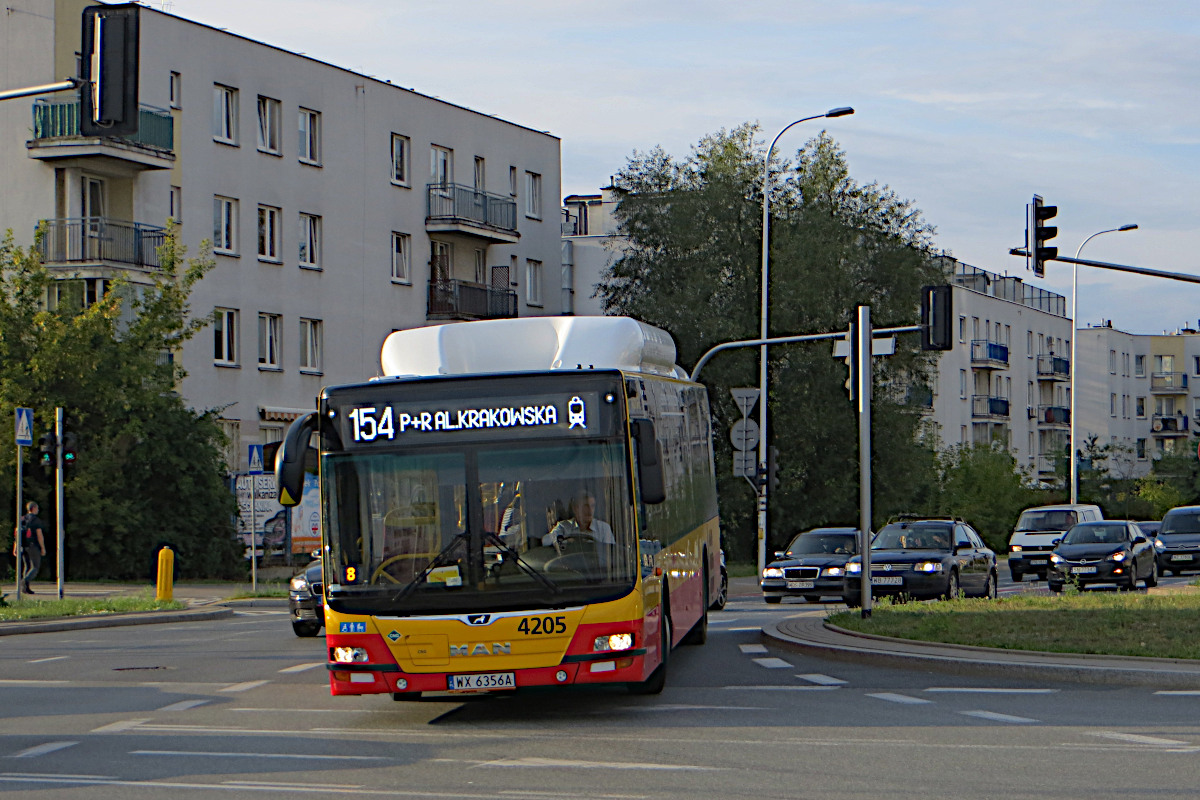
1048 463
454 299
1169 382
1053 415
983 405
1053 367
989 353
60 120
1169 424
99 239
453 202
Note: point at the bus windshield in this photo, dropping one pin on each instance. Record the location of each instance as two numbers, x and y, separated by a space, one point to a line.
493 526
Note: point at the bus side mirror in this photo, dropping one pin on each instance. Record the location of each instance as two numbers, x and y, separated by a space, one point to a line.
649 463
289 460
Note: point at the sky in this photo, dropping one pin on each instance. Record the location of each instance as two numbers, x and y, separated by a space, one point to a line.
967 108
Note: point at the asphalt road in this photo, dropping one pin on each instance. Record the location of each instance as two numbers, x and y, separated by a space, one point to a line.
240 708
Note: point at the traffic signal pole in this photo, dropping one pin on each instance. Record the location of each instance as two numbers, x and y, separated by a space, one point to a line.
58 498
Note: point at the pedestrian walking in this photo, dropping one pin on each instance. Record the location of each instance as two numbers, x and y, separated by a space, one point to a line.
29 545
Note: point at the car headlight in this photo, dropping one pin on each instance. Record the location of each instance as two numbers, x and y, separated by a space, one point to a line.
833 572
1016 548
299 583
772 572
854 568
617 641
927 566
1118 556
1159 546
1055 558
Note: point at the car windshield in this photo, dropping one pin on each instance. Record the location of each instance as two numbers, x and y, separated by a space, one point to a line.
812 543
1096 534
1048 521
912 537
1180 522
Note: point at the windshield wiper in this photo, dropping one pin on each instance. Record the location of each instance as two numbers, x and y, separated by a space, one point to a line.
435 562
533 572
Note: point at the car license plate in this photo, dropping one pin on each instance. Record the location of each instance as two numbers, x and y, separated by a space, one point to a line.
484 680
1181 558
1037 561
799 584
1083 570
886 580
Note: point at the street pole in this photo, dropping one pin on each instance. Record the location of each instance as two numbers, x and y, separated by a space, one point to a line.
60 535
17 543
254 534
861 350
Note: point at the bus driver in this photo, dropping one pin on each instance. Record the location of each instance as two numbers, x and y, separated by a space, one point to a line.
583 524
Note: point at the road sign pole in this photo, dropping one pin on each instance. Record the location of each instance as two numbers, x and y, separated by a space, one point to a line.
254 535
17 543
60 533
862 331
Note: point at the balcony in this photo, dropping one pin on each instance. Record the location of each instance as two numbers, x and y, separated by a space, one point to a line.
56 136
1049 463
460 300
986 407
1169 424
101 242
1168 382
988 355
1053 368
454 208
1053 416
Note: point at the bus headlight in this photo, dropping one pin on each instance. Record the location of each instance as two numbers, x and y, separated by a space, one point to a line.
772 572
616 641
349 655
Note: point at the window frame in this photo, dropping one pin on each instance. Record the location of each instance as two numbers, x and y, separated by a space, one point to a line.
401 167
225 225
533 282
441 177
225 332
312 345
175 203
274 125
533 195
309 136
310 237
405 260
274 215
270 341
225 114
176 90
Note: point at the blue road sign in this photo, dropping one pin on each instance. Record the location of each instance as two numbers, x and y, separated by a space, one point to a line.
256 459
25 427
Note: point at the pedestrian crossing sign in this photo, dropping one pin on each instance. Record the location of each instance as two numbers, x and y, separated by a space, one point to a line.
25 427
256 459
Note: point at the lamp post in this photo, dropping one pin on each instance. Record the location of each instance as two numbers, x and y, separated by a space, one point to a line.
762 354
1074 477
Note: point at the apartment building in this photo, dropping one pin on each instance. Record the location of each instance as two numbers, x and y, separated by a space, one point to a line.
588 227
340 207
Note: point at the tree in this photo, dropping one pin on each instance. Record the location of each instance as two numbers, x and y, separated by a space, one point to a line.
689 242
150 469
983 485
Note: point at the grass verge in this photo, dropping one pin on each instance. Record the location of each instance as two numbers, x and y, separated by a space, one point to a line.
35 608
271 590
738 569
1162 626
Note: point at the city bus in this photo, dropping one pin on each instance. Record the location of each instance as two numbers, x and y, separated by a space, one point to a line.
514 503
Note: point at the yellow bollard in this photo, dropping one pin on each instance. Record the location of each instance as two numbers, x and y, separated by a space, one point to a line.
166 573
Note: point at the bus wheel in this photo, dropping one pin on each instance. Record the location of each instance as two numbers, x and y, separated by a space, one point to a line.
658 679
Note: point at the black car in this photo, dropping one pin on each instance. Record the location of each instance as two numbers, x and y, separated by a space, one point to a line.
1180 537
1109 551
926 558
306 600
812 567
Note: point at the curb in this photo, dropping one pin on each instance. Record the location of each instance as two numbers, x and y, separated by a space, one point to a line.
858 647
114 621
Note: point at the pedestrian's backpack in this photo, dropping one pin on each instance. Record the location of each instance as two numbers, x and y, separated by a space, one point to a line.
26 531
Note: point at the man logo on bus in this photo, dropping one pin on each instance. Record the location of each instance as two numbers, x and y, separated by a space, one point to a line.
478 619
575 413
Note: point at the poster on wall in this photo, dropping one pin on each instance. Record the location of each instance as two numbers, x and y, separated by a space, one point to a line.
258 507
306 518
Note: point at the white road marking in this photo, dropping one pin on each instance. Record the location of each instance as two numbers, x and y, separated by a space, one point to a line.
823 680
183 705
117 727
995 717
42 749
241 786
1137 738
772 663
673 707
30 682
303 667
752 648
784 688
44 660
1180 692
253 755
565 764
723 620
740 630
243 687
898 698
982 690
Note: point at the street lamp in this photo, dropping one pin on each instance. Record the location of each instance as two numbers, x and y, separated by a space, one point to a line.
1074 478
762 355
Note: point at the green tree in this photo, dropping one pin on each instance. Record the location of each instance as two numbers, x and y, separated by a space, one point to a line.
688 260
983 485
149 468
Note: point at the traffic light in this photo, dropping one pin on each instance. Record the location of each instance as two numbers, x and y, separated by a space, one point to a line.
1038 234
70 443
937 318
772 468
48 444
109 95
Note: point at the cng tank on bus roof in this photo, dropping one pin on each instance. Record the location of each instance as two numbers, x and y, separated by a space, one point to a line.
530 344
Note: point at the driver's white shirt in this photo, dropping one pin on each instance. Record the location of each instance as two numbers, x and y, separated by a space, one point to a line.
600 531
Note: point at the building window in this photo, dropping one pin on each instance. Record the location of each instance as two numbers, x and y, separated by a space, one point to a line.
1140 407
1196 365
399 159
176 90
225 114
533 282
268 124
533 195
962 329
268 341
1139 366
1141 449
310 136
1112 362
401 257
225 213
512 181
225 336
1124 406
1112 405
176 204
310 241
480 266
962 383
310 345
269 234
480 175
441 165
